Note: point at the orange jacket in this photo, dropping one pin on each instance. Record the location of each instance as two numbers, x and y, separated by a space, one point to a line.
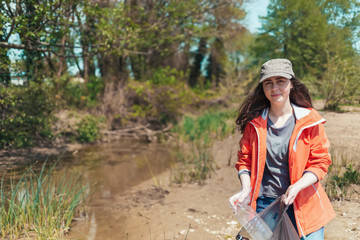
308 151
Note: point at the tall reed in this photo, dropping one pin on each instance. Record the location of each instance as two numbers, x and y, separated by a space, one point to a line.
195 138
40 205
214 124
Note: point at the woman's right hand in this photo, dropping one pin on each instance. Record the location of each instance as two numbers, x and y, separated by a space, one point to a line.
239 198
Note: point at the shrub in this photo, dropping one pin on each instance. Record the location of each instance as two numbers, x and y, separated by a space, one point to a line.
88 129
76 93
25 114
155 102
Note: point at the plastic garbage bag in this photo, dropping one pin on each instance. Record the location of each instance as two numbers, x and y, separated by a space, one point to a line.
285 230
277 219
273 223
273 213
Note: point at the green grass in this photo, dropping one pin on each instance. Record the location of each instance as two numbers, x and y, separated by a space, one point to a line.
40 205
194 160
211 124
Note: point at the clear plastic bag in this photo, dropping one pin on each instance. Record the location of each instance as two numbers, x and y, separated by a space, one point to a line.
251 222
273 223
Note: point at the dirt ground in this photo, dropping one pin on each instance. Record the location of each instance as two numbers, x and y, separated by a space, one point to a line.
191 211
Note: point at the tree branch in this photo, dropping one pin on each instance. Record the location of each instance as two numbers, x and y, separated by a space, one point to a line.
22 46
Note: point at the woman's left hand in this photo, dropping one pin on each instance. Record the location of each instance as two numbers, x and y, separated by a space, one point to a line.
290 195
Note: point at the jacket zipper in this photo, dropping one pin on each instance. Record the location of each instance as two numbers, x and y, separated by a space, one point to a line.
302 232
257 170
294 148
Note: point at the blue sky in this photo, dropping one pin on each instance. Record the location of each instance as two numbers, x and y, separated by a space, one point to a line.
255 9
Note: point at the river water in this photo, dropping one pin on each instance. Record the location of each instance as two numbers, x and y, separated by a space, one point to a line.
111 169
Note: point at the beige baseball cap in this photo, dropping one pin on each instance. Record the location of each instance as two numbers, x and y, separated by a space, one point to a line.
276 67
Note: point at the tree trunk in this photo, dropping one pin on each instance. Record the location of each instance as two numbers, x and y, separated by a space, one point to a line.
196 67
114 75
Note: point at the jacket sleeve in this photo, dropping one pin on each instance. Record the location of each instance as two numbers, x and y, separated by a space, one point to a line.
319 156
243 164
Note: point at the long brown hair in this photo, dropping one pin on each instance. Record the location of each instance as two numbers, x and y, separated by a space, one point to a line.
256 102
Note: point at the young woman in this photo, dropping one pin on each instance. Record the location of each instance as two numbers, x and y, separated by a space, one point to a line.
284 150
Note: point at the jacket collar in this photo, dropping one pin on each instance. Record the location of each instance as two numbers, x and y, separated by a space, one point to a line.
302 114
299 112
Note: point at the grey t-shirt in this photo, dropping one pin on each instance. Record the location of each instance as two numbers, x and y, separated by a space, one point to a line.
276 178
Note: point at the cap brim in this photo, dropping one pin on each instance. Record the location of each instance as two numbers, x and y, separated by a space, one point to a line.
274 74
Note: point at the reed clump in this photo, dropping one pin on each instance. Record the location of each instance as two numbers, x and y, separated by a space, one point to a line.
40 205
194 160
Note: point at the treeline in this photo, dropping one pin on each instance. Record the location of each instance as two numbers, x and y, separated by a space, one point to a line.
143 61
118 38
319 37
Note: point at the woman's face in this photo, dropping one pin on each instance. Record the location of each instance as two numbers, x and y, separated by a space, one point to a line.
277 89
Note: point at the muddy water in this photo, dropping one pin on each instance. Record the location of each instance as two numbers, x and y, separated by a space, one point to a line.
113 167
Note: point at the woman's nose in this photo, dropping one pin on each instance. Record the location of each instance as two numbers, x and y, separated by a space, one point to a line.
274 87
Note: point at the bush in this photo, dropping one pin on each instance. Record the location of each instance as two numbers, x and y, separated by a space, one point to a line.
79 94
166 76
88 129
25 114
153 101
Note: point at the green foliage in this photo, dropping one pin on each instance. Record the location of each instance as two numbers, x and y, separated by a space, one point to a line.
88 129
40 203
207 126
307 32
340 82
74 93
26 113
160 98
39 24
4 66
318 37
351 176
343 172
166 76
143 40
136 37
338 185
